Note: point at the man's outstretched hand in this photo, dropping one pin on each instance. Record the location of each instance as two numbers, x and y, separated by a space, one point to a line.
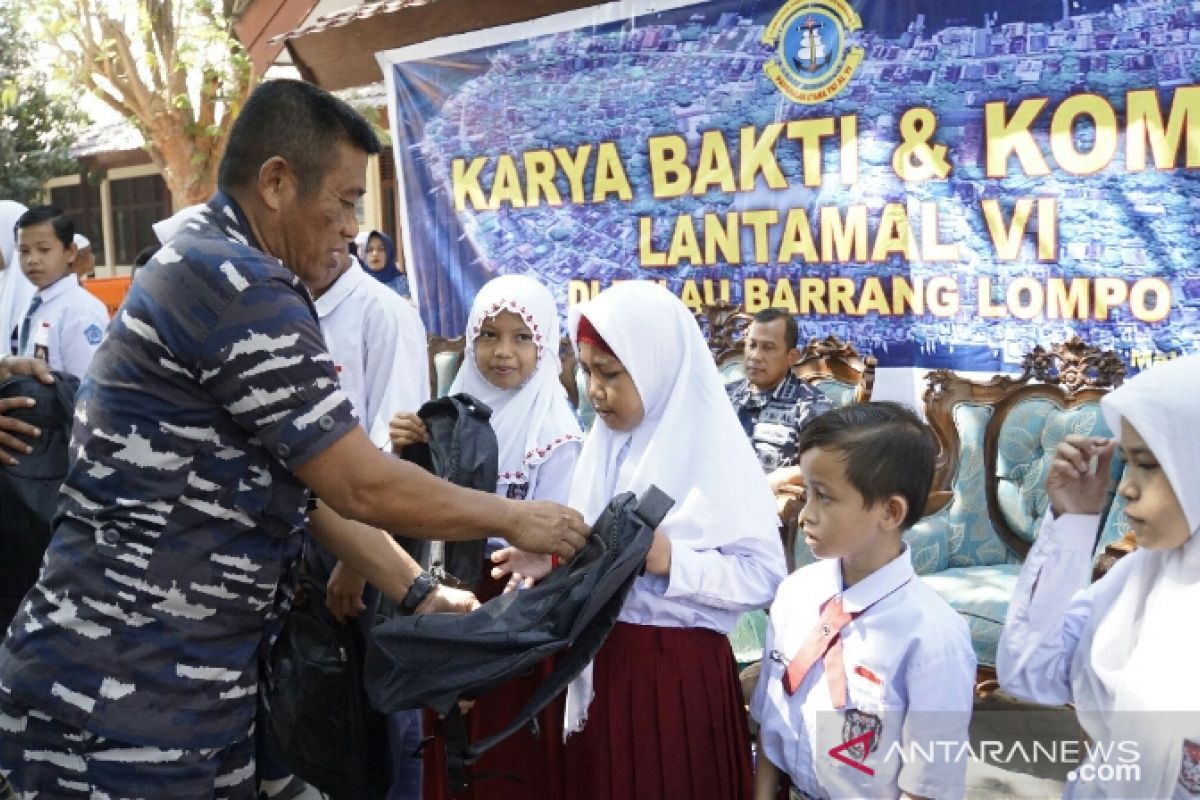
540 526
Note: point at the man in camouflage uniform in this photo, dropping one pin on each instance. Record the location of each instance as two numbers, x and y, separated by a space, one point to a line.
772 403
209 412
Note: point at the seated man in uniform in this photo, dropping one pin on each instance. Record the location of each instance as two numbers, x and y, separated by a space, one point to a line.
772 403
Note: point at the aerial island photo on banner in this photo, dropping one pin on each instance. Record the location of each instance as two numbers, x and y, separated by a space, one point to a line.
945 188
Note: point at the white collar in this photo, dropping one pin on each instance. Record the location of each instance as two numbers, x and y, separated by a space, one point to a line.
342 288
59 287
879 584
827 582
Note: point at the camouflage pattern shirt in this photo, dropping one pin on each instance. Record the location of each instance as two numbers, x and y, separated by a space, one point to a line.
179 523
773 420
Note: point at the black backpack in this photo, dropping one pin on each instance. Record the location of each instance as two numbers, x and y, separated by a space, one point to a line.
462 449
29 490
435 660
315 712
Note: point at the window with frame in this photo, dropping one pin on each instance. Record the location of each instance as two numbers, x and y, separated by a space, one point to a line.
81 203
137 203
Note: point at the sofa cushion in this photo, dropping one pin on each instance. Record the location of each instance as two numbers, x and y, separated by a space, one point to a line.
445 366
961 534
981 595
929 542
839 394
1030 433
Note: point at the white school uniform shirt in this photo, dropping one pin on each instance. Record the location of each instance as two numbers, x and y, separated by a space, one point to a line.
1047 627
77 320
379 349
549 480
726 556
910 677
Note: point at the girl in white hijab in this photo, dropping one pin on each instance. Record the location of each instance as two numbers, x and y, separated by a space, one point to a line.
660 713
530 412
15 289
511 363
1123 650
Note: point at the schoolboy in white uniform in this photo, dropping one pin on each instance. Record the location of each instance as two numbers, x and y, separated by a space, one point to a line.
380 352
64 323
867 672
378 343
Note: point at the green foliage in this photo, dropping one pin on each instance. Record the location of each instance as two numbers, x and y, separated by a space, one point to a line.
171 67
36 128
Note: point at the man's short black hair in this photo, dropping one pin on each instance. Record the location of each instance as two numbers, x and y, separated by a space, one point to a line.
145 254
297 121
791 334
886 448
64 226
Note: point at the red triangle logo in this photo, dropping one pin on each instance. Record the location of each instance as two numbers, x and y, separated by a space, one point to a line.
863 739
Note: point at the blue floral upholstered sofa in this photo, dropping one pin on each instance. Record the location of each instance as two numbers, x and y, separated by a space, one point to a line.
997 439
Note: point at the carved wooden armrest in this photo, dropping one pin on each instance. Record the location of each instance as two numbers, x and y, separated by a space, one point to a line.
1113 553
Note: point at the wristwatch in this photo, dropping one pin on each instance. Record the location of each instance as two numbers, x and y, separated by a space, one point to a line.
422 585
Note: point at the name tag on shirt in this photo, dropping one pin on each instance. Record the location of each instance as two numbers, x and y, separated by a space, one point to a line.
772 434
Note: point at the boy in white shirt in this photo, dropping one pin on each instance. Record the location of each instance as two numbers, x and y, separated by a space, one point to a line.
868 675
64 323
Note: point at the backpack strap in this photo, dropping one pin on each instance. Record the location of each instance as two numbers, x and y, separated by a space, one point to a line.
453 728
571 662
653 506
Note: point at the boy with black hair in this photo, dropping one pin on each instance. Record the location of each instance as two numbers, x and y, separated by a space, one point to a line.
867 672
64 323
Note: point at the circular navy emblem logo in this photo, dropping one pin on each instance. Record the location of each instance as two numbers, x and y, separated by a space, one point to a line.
813 60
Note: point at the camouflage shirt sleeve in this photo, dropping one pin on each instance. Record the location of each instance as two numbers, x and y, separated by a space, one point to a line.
266 363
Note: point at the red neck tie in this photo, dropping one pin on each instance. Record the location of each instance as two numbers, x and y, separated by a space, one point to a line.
825 640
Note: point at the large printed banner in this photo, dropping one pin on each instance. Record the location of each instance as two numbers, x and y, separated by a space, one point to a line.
942 189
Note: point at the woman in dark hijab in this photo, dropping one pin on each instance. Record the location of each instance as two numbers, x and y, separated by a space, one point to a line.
379 257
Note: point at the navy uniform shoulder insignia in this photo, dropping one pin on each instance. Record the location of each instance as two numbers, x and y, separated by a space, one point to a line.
93 334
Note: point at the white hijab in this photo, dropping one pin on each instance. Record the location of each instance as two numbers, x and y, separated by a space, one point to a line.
534 419
1142 685
15 289
690 443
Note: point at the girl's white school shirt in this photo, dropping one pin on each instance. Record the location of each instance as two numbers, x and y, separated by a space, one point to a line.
549 480
1053 613
710 584
378 345
77 321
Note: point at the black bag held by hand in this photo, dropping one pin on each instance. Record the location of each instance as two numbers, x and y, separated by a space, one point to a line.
462 449
29 489
434 660
317 716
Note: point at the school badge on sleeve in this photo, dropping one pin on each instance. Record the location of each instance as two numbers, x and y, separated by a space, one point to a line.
1189 768
93 334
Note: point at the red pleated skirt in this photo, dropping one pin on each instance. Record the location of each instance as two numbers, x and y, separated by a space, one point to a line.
523 766
667 721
